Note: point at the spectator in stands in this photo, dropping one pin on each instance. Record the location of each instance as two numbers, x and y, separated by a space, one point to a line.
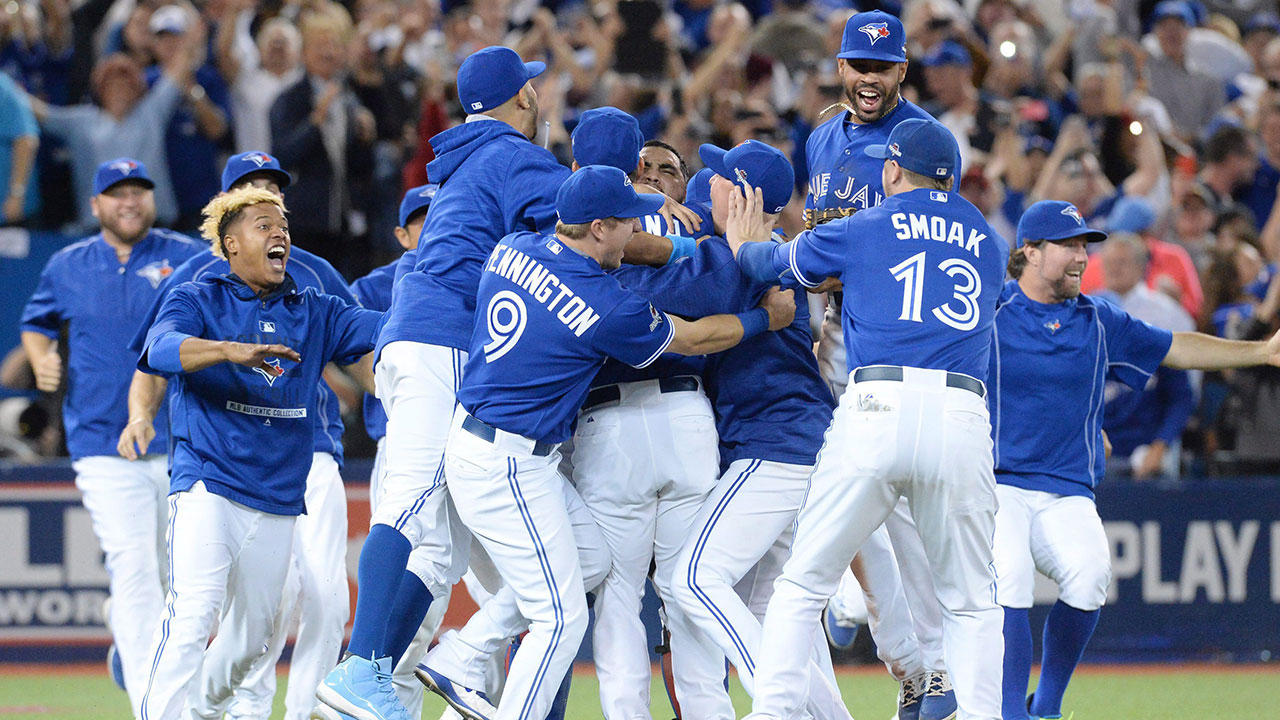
19 140
1169 268
1260 195
1192 227
324 138
957 104
127 119
200 122
257 78
1191 97
35 47
1253 410
1230 161
1145 427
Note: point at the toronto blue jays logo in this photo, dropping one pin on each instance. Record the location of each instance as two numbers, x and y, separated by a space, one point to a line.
1072 212
875 31
258 159
124 166
156 272
1053 325
270 377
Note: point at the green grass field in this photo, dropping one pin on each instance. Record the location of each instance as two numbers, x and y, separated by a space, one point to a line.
1110 692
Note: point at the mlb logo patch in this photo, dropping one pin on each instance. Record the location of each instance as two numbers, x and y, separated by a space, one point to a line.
476 105
267 327
553 246
875 31
937 196
941 172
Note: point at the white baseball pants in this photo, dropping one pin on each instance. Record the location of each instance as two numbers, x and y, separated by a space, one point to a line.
750 513
514 503
1059 535
222 556
126 503
930 443
316 586
643 466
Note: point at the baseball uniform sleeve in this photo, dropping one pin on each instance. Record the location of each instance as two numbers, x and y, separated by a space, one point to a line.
42 313
530 195
811 257
185 272
179 318
1135 349
351 329
634 332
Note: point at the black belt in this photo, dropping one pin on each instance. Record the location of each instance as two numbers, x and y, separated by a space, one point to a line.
612 393
893 373
487 432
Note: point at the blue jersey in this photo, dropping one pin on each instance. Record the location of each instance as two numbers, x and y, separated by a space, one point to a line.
840 174
770 400
548 317
1046 390
670 364
102 301
493 182
243 431
921 272
373 291
308 271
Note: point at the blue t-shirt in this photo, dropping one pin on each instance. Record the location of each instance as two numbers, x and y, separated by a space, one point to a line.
921 273
102 302
547 318
493 182
373 291
1047 384
770 400
243 431
16 120
308 271
841 174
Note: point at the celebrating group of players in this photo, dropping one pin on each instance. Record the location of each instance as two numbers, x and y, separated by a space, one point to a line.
712 450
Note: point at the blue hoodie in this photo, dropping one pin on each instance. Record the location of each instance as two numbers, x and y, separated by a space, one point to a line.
493 182
244 432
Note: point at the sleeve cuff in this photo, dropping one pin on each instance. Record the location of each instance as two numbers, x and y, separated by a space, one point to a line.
162 355
47 332
756 261
795 269
671 335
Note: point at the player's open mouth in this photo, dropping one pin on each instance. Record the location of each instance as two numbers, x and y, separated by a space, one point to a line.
868 99
276 255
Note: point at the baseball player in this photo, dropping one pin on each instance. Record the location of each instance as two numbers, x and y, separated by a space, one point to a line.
770 408
905 619
317 579
1060 348
241 445
100 288
492 181
549 316
373 291
921 272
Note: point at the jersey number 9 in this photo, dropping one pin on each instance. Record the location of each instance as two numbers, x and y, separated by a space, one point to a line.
506 318
968 286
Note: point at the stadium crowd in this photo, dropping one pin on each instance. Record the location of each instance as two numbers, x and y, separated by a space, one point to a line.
1160 122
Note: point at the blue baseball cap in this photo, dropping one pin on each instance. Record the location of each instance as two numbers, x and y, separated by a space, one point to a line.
113 172
874 35
416 199
1174 9
921 146
762 166
948 52
1265 21
493 75
699 188
248 163
607 136
1054 220
599 191
1131 214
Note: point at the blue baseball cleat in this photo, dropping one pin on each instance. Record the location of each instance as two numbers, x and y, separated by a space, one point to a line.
361 688
840 633
939 702
116 667
470 704
910 695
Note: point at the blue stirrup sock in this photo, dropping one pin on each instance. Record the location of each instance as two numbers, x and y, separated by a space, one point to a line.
382 564
411 605
1066 632
1017 663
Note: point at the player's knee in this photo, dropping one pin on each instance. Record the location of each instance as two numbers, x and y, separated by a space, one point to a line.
1085 588
596 562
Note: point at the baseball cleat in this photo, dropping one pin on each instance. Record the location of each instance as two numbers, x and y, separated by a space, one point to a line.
840 633
324 712
470 704
361 688
115 666
939 701
910 695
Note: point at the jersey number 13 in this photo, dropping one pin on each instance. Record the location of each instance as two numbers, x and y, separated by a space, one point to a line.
968 286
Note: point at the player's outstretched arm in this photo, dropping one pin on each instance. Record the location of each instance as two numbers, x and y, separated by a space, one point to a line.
145 394
194 354
716 333
1198 351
